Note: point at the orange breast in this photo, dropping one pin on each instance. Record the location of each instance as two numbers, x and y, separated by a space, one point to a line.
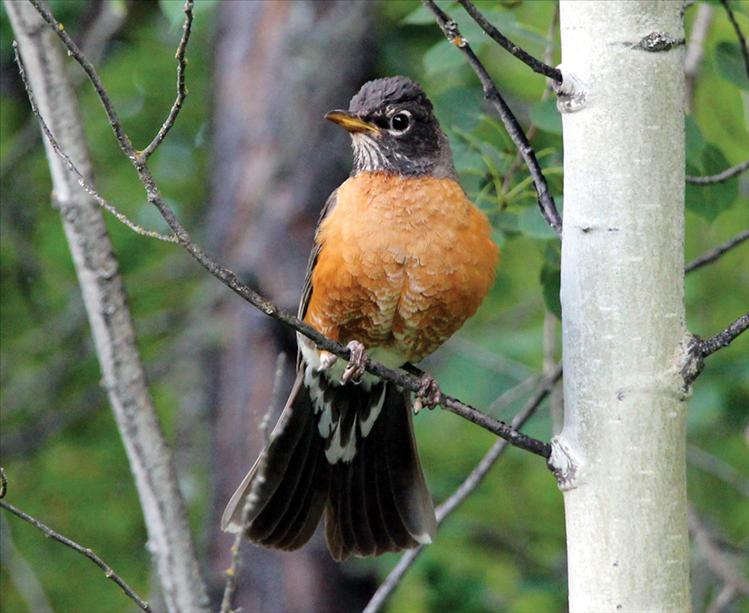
403 263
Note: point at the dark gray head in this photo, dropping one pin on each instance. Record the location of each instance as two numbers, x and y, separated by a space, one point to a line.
393 129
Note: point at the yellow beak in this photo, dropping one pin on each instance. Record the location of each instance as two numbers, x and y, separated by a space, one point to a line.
350 122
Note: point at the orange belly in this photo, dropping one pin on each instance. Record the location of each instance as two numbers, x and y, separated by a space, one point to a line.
404 261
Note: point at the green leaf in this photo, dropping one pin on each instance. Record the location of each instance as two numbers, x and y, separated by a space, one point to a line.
709 201
443 56
421 16
532 224
458 107
546 116
550 280
695 144
731 64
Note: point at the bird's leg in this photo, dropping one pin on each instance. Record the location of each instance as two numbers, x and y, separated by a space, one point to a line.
356 363
429 394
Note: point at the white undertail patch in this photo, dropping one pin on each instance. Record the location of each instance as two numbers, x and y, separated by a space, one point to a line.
366 425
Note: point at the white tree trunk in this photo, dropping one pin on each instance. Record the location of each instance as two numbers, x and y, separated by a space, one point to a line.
98 275
622 448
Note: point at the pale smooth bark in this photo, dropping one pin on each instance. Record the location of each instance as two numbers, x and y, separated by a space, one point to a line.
151 462
621 453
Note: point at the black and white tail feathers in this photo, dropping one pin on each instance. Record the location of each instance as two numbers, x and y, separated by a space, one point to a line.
345 450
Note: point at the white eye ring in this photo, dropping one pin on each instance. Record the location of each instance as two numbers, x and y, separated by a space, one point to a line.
400 122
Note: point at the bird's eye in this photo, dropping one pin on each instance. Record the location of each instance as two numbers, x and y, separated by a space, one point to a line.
400 121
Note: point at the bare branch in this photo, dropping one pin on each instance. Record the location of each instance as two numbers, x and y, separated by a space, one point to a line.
739 34
48 532
719 469
266 423
715 253
181 89
520 53
695 48
533 128
724 598
150 458
231 573
236 558
230 279
714 557
21 573
710 345
82 180
729 173
545 200
88 68
471 482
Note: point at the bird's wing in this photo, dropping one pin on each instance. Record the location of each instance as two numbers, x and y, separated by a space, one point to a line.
307 288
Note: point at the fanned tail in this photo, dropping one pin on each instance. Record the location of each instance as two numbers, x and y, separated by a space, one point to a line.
348 450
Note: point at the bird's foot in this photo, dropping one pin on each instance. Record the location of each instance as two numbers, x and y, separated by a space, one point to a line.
356 363
429 394
327 360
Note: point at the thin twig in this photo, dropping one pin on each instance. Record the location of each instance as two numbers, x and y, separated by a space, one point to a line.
230 279
231 573
21 572
729 173
719 469
714 557
739 34
716 252
3 483
695 49
520 53
48 532
471 482
82 180
724 338
506 398
533 128
723 599
275 395
73 50
181 89
545 200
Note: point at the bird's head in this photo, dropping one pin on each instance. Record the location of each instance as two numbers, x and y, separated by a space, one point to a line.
393 129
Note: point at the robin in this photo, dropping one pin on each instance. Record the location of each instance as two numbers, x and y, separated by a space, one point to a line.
401 259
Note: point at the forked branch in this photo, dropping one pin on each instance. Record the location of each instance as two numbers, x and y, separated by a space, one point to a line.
403 379
491 93
534 64
471 482
85 551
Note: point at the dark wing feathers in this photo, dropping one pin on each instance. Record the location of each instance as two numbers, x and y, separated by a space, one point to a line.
376 502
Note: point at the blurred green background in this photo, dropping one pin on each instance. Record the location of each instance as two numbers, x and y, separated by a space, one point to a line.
504 549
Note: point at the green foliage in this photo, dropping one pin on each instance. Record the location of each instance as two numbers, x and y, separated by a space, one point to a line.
504 549
731 64
709 201
70 469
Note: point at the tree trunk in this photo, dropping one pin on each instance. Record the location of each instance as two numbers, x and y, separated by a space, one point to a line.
623 310
280 66
150 458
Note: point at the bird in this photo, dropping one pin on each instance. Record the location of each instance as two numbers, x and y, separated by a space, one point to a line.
401 259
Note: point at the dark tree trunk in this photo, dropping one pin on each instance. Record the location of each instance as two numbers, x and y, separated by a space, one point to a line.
279 67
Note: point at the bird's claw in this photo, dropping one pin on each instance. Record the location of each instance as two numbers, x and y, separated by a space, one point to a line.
429 394
356 363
